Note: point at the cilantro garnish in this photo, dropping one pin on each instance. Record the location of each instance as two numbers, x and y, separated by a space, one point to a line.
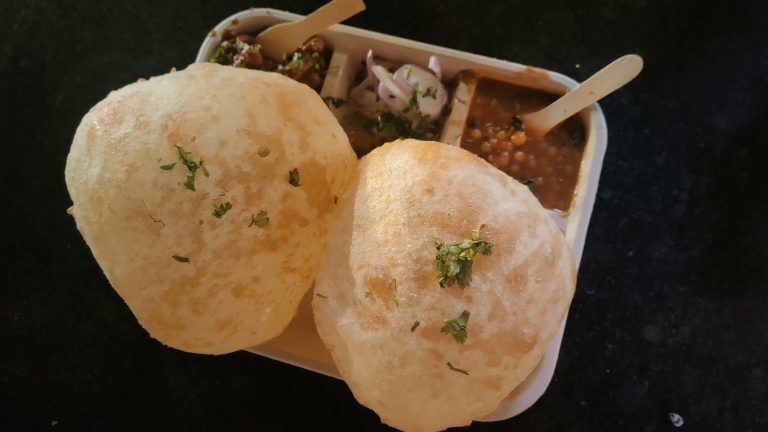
321 296
517 122
455 369
415 324
457 327
168 167
430 92
295 62
293 177
260 220
222 209
192 165
454 263
220 57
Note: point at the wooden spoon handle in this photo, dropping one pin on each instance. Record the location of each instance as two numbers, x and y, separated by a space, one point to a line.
599 85
282 39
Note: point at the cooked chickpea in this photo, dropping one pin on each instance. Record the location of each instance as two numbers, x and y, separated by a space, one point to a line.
532 163
518 138
514 169
552 150
485 147
519 156
502 158
501 135
504 145
475 134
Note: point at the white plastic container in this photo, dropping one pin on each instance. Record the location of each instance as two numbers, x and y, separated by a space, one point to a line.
300 344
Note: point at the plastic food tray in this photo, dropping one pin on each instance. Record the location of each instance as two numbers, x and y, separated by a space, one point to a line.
300 344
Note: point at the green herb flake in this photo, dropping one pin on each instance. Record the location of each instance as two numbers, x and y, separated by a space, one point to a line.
189 182
409 73
293 177
335 200
261 220
457 327
321 296
192 165
220 57
222 209
168 167
334 102
413 102
517 122
455 369
454 263
181 259
415 324
295 62
430 92
367 294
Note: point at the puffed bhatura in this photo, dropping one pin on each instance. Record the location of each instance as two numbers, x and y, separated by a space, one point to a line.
206 196
423 356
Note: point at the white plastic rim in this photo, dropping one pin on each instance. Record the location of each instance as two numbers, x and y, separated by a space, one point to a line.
299 344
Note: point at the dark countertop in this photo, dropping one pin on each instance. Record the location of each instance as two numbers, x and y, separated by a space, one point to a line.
672 298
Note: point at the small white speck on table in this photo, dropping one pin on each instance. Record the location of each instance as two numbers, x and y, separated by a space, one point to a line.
676 419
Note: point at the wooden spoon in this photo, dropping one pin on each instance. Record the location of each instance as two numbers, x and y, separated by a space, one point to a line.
282 39
599 85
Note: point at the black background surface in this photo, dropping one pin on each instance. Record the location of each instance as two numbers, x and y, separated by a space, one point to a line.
670 313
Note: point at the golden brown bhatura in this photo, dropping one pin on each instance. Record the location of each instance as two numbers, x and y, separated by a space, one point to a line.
221 267
378 279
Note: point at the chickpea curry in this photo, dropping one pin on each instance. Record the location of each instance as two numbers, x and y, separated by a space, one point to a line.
549 165
308 64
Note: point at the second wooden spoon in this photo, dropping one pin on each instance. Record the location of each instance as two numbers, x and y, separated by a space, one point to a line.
599 85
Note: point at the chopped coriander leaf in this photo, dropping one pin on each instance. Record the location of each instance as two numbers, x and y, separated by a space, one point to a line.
222 209
293 177
321 296
190 181
455 369
454 263
205 170
295 62
415 324
460 100
181 259
430 92
413 102
335 200
261 219
220 57
517 122
192 166
186 159
168 167
457 327
367 294
334 102
409 73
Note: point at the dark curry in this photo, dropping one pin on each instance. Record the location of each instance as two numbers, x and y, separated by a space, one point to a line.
308 64
549 166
